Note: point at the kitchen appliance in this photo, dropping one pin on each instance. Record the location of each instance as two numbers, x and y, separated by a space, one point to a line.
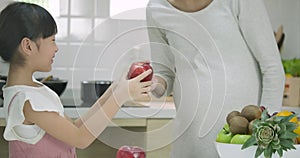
91 90
2 83
56 84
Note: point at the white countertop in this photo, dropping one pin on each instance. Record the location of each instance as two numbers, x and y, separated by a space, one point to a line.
160 108
154 110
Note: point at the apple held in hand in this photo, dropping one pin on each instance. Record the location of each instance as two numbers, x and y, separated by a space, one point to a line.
224 136
131 152
139 67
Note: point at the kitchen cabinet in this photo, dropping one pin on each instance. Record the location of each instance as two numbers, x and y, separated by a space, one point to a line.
161 142
3 143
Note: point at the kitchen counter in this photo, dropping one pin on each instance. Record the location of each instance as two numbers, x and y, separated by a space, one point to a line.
154 110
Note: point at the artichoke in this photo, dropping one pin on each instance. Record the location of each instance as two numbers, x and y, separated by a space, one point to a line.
272 134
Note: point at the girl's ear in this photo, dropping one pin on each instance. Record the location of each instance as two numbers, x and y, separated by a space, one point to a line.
27 46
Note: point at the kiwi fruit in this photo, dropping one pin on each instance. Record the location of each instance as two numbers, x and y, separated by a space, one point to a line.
238 125
250 126
231 115
251 112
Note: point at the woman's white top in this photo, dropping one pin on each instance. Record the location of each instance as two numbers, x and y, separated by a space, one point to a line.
41 99
215 60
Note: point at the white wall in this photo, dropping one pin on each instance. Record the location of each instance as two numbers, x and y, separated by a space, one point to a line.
286 13
94 46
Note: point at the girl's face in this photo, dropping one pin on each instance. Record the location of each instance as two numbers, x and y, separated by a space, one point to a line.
46 49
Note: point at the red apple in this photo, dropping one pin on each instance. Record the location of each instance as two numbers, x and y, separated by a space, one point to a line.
139 67
131 152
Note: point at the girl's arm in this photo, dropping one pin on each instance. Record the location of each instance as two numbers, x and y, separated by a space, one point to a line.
78 122
100 101
89 126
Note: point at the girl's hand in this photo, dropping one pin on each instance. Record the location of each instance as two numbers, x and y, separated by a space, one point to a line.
132 89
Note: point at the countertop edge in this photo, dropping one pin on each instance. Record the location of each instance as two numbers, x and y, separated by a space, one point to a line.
155 110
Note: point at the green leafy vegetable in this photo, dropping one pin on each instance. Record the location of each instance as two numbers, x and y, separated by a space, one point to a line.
292 66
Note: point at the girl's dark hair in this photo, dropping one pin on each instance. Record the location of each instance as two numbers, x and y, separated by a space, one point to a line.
19 20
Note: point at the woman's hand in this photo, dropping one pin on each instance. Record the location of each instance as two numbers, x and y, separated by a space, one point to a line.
132 89
158 87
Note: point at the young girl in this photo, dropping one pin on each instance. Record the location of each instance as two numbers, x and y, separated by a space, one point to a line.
36 124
